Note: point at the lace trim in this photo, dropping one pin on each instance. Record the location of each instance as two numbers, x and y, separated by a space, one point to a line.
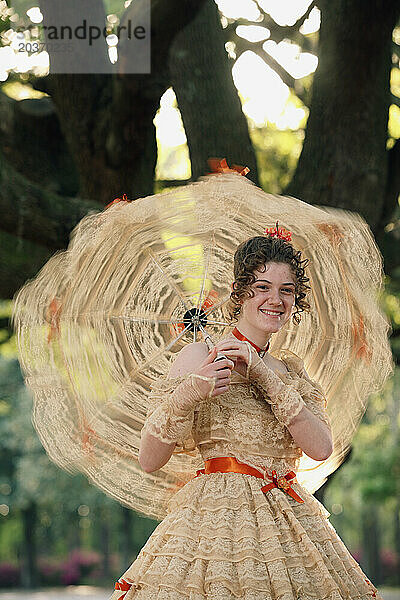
170 415
218 591
285 401
310 391
208 493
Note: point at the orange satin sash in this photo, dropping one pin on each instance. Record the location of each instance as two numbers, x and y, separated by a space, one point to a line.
229 464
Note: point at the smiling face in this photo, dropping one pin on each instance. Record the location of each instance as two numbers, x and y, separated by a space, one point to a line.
274 295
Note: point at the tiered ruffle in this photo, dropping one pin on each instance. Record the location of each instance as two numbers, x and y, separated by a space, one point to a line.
224 539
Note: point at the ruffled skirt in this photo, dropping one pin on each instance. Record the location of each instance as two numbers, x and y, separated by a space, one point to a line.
225 539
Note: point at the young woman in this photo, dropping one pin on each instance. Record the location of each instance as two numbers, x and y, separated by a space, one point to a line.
244 527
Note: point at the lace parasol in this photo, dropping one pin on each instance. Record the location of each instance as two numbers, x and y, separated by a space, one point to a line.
103 320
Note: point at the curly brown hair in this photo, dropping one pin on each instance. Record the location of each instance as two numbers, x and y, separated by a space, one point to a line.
253 254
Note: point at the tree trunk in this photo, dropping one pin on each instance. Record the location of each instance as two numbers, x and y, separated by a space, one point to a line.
344 161
126 537
74 541
107 120
29 577
21 260
35 214
32 142
396 529
371 555
34 223
105 542
201 75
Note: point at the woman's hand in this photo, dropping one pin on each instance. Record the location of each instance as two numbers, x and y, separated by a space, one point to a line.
238 352
219 370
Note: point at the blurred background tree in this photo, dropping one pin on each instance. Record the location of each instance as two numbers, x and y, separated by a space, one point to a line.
308 97
50 513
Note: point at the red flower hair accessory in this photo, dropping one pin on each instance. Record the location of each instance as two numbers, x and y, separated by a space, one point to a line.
219 165
279 232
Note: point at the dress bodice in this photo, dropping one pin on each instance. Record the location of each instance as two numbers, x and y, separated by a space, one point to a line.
240 422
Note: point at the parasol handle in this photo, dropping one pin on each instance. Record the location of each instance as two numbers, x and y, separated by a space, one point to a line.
210 345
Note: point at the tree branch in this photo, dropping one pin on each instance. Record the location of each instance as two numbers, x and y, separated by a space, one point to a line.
396 49
243 45
277 32
33 213
395 100
393 183
287 29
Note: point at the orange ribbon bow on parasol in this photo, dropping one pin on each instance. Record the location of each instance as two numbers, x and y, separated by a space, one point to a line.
54 313
219 165
123 199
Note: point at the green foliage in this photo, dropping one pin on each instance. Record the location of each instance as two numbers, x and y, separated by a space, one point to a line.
71 511
278 150
391 305
371 477
277 154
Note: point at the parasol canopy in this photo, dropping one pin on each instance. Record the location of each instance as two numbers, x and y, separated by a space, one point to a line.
103 320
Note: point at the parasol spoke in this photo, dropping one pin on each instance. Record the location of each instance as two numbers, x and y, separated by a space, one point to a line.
194 334
207 264
170 281
143 318
140 315
218 305
219 323
162 350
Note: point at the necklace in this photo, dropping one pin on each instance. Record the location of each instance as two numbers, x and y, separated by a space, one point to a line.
243 338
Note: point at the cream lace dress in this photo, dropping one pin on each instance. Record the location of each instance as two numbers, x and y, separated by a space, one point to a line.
225 539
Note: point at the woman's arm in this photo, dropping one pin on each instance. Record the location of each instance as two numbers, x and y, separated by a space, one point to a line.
173 419
154 453
311 434
309 431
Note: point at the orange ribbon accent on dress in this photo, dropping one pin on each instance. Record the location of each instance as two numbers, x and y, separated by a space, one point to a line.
123 199
124 586
219 165
229 464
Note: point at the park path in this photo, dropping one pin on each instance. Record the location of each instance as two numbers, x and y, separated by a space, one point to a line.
85 592
72 592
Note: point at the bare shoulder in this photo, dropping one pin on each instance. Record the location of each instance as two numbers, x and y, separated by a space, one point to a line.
188 359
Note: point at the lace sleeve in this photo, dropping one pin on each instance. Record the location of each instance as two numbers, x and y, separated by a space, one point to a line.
315 399
170 413
311 392
285 401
